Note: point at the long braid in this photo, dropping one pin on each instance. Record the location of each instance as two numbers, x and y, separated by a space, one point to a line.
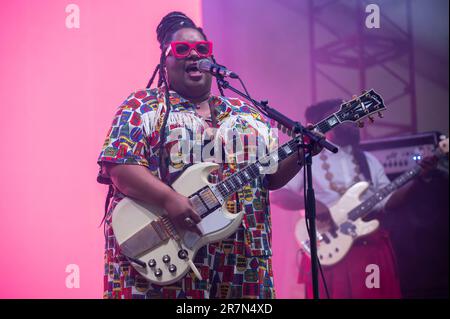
153 77
162 134
169 24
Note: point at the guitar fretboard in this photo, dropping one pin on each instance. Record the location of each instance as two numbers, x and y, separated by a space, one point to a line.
327 124
364 208
238 180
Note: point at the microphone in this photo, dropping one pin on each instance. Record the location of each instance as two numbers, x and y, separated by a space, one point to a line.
205 65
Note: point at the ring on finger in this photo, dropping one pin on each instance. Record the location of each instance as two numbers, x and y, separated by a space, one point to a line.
189 221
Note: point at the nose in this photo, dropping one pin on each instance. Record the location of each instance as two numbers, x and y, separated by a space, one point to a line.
193 54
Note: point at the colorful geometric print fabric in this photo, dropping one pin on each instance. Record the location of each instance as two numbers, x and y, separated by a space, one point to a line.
238 267
226 273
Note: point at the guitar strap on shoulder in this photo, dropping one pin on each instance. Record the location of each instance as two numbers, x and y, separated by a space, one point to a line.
361 159
102 179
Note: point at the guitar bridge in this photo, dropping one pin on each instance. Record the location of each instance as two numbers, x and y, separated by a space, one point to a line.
149 237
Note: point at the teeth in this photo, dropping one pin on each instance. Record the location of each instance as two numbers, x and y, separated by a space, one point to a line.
191 68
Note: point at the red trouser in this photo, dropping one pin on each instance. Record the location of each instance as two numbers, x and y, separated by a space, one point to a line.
347 278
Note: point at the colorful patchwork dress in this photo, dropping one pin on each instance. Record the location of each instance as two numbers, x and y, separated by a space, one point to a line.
237 267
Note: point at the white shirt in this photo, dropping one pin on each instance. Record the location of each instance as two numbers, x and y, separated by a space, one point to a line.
343 170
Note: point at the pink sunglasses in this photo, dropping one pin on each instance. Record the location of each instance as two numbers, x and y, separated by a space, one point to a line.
181 49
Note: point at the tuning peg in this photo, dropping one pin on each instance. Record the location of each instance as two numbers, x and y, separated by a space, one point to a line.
371 119
360 124
380 115
283 129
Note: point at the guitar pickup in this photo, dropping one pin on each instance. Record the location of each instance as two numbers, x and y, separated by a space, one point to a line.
199 207
209 198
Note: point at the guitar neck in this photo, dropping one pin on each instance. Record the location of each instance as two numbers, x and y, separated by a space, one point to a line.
352 111
328 124
238 180
367 206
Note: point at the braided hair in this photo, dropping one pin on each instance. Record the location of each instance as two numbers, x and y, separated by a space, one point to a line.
168 26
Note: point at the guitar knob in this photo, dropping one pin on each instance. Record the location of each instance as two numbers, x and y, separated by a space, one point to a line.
152 263
172 268
158 272
166 259
380 115
182 254
371 119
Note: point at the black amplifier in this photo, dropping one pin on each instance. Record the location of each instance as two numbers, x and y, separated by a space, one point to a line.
397 154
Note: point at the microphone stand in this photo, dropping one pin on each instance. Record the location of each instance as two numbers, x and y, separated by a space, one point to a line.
310 205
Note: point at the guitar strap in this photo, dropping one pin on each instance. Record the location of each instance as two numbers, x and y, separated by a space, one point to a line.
361 159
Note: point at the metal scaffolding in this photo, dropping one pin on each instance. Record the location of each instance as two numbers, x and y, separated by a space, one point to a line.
351 46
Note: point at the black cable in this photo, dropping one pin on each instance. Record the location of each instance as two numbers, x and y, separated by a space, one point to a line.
217 79
251 99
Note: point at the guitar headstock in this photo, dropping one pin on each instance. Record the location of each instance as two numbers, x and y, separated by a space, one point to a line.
355 110
361 107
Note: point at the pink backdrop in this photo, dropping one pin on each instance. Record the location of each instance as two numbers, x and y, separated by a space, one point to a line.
59 89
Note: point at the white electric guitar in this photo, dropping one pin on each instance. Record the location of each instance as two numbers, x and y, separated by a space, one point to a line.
333 245
164 255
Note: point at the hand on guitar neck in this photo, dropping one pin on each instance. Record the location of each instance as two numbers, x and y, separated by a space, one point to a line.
428 164
403 194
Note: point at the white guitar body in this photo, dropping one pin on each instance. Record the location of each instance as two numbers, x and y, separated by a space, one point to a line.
332 247
163 255
130 217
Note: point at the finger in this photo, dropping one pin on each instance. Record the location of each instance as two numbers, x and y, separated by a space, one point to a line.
196 230
195 217
310 126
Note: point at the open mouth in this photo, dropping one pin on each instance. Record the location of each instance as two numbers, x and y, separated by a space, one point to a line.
193 71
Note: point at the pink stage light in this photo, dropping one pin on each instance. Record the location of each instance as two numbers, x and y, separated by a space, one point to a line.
59 89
